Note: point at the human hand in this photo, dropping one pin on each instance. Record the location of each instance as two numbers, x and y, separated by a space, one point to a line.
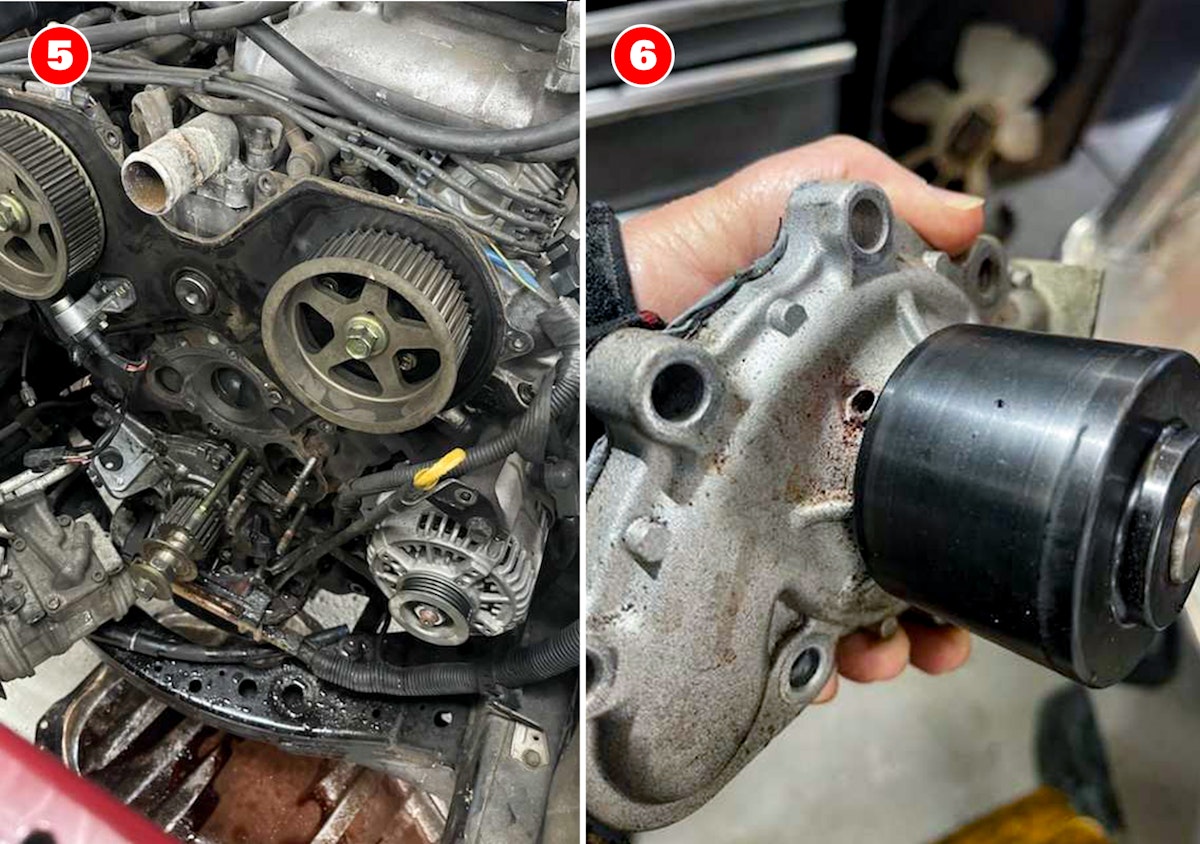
676 253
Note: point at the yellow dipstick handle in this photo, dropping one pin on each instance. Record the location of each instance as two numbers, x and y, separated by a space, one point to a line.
428 478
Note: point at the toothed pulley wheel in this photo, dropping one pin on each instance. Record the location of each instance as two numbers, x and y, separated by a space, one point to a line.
50 221
370 332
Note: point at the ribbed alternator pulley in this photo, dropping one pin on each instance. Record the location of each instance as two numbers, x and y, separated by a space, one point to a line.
51 226
370 332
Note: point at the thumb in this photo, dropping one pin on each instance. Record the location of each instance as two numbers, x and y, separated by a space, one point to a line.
680 250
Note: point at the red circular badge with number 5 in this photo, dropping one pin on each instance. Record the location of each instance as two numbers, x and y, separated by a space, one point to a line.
60 55
643 55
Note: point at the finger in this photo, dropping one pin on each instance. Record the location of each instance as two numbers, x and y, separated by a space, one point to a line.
677 252
937 649
829 690
866 658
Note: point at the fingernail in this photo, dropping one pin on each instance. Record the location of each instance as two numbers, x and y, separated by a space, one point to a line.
962 201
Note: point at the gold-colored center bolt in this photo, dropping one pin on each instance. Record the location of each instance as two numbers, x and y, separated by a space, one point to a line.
13 216
365 337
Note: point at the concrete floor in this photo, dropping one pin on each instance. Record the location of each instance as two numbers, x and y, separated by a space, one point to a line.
29 698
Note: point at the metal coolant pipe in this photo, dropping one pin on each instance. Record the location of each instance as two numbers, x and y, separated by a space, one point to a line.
157 177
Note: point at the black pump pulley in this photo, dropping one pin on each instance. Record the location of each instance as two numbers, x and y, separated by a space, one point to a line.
1039 490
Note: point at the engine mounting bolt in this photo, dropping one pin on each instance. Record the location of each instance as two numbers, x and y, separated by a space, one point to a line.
407 362
1185 541
98 575
786 317
53 603
18 544
647 540
531 758
365 337
63 520
13 216
429 616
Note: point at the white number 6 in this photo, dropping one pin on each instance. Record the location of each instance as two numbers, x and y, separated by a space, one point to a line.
641 55
58 54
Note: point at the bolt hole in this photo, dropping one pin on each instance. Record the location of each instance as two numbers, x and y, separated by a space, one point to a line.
678 392
443 718
868 225
195 685
293 696
247 688
862 402
804 668
377 713
988 281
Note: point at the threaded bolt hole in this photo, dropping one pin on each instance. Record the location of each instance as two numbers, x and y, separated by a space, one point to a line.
868 225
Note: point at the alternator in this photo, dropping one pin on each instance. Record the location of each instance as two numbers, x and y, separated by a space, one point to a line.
462 566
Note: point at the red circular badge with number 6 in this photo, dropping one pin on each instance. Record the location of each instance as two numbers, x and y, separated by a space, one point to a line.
643 55
60 55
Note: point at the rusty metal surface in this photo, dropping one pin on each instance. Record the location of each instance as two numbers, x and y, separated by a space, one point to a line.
205 785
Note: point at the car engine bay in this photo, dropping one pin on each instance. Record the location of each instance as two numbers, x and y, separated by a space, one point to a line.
290 375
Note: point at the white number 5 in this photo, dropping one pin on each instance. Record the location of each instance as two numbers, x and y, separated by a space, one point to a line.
58 54
641 55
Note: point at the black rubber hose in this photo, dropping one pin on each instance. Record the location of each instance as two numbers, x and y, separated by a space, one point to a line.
109 35
17 16
149 645
523 667
558 152
495 142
